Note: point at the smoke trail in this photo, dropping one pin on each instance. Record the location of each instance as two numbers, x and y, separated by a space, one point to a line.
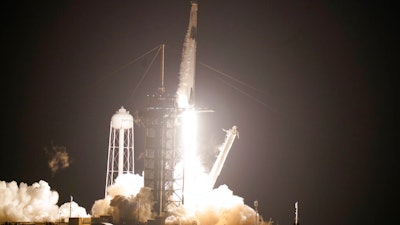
35 203
58 158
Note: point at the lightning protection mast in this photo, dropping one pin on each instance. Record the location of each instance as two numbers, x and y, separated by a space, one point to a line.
161 154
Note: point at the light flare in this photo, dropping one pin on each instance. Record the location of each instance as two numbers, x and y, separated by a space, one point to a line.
189 133
195 178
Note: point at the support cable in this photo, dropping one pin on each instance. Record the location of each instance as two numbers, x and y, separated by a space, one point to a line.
145 73
237 88
230 77
126 65
247 94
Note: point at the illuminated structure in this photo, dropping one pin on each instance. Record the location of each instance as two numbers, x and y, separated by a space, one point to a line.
162 154
161 150
170 147
162 121
120 158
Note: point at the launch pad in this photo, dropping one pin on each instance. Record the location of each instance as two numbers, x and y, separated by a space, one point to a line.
170 159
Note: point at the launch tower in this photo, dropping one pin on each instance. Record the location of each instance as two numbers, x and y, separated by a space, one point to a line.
161 151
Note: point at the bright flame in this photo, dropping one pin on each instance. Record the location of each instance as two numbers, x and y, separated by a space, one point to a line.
189 128
182 100
194 176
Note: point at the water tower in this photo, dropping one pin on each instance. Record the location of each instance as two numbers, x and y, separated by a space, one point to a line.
120 148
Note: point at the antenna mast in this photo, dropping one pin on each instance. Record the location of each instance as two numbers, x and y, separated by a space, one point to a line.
162 88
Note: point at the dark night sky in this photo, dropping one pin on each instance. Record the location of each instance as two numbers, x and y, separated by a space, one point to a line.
324 134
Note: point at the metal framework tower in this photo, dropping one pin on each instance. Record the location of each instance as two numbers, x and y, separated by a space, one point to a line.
162 154
120 148
163 150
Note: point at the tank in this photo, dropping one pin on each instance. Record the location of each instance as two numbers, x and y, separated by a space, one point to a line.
122 119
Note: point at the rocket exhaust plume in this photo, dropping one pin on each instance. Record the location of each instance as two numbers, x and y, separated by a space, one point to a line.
203 204
185 101
196 181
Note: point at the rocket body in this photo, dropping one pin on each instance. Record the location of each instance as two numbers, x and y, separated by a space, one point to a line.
185 93
296 212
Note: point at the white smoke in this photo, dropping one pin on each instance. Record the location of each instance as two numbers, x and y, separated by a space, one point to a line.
34 203
72 209
27 203
126 200
218 207
129 201
126 185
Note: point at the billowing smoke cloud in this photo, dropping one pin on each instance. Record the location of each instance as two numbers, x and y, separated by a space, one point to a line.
25 203
72 209
58 158
127 200
132 208
34 203
218 207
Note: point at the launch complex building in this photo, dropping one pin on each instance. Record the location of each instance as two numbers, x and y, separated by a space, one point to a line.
166 172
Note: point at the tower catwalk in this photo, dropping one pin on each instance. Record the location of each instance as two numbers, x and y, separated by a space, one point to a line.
120 158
